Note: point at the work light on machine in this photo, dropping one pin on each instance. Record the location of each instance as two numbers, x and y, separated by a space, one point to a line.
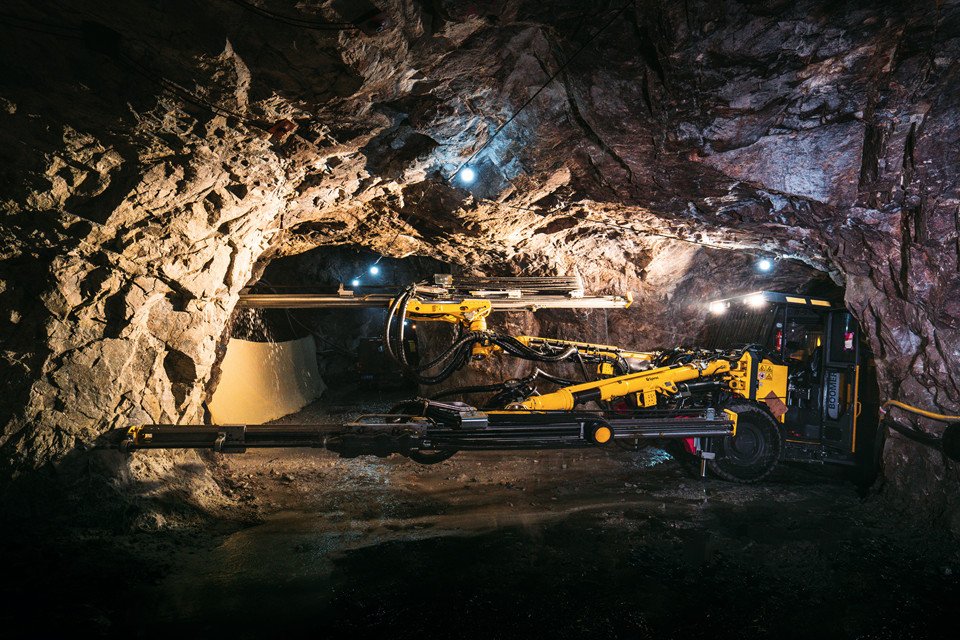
718 307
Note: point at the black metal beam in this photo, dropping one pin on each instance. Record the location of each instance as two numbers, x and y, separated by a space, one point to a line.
385 434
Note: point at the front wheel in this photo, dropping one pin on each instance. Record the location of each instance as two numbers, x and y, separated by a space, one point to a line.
430 457
415 407
752 454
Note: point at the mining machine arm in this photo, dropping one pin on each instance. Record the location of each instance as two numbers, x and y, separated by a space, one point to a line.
698 401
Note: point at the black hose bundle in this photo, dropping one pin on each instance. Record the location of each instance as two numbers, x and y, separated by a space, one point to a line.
388 337
470 389
681 355
458 353
516 348
513 387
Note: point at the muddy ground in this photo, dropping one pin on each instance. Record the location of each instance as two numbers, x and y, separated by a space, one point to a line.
561 544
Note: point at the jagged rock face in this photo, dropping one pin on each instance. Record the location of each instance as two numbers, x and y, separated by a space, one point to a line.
134 212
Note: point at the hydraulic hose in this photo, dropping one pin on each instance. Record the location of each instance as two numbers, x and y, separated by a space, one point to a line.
459 352
452 358
464 342
401 330
516 348
456 363
388 327
507 384
549 377
479 388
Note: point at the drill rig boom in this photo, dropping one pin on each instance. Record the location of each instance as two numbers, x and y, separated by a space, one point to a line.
437 427
645 386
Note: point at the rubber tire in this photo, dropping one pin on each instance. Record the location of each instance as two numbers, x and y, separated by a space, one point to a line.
869 457
430 457
752 454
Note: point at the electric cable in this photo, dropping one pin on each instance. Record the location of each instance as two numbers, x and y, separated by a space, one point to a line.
106 40
294 20
540 90
186 95
40 26
914 434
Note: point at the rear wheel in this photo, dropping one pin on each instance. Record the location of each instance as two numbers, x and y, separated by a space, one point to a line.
752 454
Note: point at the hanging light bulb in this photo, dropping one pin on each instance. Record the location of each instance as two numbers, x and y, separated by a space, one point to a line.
467 175
374 270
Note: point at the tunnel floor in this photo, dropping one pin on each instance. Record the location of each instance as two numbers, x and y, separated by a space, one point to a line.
562 544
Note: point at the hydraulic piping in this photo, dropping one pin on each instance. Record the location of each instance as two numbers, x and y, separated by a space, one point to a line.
506 385
456 355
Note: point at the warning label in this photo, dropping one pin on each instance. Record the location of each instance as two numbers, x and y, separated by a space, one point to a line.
776 405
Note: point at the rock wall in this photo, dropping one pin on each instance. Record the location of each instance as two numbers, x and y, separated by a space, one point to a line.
156 156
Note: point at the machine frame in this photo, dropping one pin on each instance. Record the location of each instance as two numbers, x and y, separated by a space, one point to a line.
737 404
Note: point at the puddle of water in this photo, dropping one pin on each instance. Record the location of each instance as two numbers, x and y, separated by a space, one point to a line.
284 565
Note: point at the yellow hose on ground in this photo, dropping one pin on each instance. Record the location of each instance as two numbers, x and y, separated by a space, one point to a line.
920 412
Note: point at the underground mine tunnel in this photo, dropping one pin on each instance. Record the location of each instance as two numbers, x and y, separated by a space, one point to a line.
482 318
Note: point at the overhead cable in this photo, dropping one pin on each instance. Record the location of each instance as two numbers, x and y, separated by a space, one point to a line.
542 87
294 20
40 26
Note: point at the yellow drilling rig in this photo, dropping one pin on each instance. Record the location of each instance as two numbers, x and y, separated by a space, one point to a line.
775 377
